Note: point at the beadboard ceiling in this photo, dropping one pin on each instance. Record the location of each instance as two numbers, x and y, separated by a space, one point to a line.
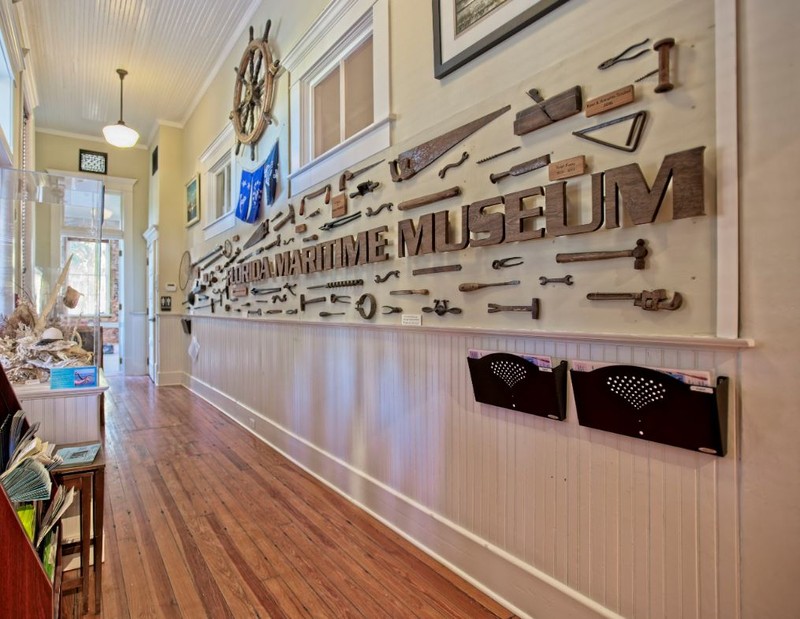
170 48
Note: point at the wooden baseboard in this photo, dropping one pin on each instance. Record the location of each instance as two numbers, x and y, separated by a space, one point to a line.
518 586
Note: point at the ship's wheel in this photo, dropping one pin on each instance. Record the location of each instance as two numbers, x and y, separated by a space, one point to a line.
253 91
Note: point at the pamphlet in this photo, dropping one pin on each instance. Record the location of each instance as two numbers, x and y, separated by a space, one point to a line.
74 456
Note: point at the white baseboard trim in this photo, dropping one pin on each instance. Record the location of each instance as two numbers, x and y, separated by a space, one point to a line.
520 587
177 377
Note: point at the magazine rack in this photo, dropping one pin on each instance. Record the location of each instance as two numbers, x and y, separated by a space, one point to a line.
651 405
510 381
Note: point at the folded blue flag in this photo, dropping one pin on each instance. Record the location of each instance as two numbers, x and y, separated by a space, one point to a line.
271 174
249 203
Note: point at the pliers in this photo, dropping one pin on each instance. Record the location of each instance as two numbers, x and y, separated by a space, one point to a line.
620 58
506 262
391 309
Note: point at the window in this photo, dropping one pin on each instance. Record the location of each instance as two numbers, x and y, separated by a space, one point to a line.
219 169
220 202
6 100
339 91
82 276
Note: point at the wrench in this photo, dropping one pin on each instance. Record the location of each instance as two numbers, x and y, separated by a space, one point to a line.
567 279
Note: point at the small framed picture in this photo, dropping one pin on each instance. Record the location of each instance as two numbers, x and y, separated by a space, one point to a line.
193 201
92 161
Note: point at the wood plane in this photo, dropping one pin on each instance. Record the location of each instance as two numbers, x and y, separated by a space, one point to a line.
548 111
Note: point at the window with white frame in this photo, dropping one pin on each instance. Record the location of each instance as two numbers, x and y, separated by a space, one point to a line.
219 168
220 183
339 91
6 100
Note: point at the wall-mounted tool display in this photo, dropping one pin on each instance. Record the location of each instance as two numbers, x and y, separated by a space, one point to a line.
567 168
610 101
663 47
210 304
289 217
259 234
445 268
422 291
345 283
443 171
391 309
504 263
288 241
533 308
260 291
548 111
500 154
274 243
290 288
364 188
650 300
625 55
213 252
329 314
410 162
279 298
314 213
366 306
638 253
274 311
340 298
276 216
339 205
379 279
441 307
330 225
567 279
429 199
233 257
311 239
347 175
385 206
638 121
251 254
315 194
304 301
473 286
522 168
212 261
256 312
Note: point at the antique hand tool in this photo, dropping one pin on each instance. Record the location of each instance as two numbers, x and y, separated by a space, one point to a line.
274 243
263 301
340 298
639 120
416 291
314 213
410 162
288 241
443 171
347 175
440 308
391 309
366 314
314 194
248 255
276 216
202 297
289 217
210 262
254 312
290 288
214 251
300 228
472 286
507 262
211 305
662 47
291 311
646 75
533 308
567 279
639 253
500 154
274 311
364 188
311 238
233 257
304 301
258 291
650 300
622 57
261 231
522 168
386 205
340 284
279 298
247 304
445 268
329 314
548 111
330 225
429 199
379 279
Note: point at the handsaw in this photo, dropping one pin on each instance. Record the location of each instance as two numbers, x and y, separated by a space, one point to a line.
410 162
258 234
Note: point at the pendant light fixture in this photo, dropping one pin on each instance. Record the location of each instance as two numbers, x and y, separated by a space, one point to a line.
120 135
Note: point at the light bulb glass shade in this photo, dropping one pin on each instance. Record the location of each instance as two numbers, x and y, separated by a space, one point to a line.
120 135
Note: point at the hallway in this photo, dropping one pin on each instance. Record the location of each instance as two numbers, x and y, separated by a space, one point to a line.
204 520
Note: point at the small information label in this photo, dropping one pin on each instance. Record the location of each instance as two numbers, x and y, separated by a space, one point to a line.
71 378
567 168
411 320
610 101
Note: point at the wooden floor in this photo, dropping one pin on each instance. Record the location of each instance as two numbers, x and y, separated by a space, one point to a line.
204 520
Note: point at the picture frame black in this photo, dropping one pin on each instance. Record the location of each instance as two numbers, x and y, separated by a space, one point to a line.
444 64
193 201
88 161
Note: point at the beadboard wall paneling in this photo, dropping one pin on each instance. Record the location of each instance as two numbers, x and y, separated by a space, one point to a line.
388 417
64 419
173 344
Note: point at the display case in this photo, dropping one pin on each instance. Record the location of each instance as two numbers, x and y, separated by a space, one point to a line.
53 273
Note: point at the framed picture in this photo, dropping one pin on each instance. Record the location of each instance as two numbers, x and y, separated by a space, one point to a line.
193 201
464 29
92 161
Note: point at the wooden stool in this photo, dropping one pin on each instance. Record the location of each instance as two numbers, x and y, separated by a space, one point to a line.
89 480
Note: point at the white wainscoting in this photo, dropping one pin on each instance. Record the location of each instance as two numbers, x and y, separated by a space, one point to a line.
172 360
136 344
551 518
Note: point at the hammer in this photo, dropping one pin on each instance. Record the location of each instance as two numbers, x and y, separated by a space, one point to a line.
289 217
304 301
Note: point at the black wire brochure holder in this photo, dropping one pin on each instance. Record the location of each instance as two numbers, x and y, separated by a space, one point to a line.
652 405
510 381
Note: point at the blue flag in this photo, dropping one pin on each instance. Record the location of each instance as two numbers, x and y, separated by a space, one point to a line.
250 188
271 174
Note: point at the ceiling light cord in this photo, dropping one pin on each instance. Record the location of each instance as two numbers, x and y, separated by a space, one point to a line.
120 134
122 73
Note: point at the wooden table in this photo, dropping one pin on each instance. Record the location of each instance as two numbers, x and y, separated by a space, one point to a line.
89 480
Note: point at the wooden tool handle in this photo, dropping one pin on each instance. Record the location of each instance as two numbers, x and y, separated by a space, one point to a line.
611 296
429 199
471 286
663 47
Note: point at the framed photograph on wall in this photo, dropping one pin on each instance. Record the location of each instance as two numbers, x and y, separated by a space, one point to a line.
464 29
193 201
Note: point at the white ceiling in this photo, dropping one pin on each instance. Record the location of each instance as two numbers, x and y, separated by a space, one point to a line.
170 48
